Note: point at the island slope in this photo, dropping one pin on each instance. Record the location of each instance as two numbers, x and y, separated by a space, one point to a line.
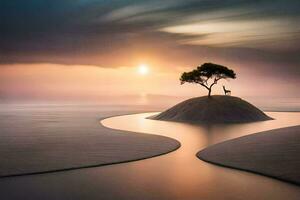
214 109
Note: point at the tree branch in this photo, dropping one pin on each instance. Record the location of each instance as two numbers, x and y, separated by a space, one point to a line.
205 86
215 82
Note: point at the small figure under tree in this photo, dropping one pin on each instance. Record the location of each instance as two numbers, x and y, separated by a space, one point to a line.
206 72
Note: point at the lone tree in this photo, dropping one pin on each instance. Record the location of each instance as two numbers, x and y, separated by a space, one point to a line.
206 72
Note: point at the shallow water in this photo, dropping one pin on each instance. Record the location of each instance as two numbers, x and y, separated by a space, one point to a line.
193 178
177 175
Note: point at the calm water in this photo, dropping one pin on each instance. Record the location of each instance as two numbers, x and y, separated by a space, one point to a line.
177 175
191 178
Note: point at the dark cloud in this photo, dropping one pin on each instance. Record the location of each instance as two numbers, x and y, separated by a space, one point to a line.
91 31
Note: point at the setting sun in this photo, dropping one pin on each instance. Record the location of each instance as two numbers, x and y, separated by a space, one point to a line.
143 69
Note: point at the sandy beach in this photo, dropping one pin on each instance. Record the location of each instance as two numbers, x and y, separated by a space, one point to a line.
273 153
38 140
176 175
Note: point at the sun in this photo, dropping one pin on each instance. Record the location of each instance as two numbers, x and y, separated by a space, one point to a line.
143 69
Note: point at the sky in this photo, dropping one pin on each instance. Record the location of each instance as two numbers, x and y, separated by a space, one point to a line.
90 49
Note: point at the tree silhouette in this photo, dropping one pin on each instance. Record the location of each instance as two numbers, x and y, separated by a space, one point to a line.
206 72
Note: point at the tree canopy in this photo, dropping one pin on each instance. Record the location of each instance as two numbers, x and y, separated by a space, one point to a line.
206 72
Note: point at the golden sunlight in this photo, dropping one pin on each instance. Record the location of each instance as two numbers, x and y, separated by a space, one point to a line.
143 69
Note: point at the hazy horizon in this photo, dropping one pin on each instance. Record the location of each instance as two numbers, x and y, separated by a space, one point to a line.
91 51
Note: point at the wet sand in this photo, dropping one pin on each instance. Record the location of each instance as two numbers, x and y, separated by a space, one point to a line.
274 153
40 140
177 175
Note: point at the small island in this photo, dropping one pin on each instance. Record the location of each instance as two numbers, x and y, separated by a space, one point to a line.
212 108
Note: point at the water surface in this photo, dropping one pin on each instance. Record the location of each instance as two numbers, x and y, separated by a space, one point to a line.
177 175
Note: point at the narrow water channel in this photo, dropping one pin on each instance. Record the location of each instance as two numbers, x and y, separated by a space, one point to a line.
177 175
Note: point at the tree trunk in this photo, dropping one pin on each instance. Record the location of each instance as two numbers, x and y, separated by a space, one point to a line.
210 88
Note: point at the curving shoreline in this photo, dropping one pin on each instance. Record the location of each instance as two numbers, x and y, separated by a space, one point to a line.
84 143
177 175
273 153
168 144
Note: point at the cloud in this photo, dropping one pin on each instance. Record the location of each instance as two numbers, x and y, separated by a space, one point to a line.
138 10
238 33
181 33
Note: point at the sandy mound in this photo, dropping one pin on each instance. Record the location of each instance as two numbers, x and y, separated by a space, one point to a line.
214 109
273 153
